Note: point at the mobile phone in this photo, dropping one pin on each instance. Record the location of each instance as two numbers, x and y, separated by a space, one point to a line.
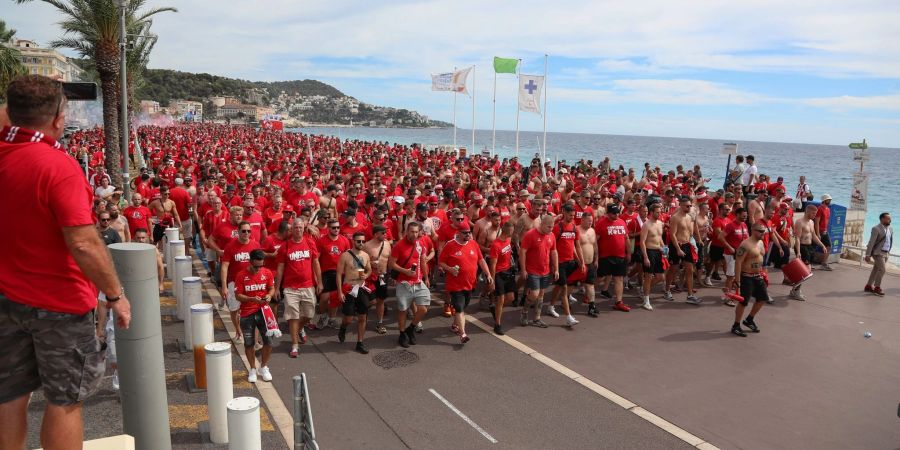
77 90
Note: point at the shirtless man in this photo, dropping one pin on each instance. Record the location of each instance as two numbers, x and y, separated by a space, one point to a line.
328 202
651 245
806 235
749 266
756 207
379 250
683 226
164 213
119 222
587 239
353 269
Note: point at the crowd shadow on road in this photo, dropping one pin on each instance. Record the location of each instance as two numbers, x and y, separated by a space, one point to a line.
692 336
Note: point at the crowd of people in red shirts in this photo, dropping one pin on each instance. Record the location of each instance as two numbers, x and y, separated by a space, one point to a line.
343 222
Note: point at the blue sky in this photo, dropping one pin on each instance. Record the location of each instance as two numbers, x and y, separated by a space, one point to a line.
824 71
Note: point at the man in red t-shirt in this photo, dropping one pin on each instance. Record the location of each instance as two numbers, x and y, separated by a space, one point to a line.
53 263
330 246
254 287
823 217
717 244
614 255
502 272
460 259
138 215
538 266
570 261
408 262
735 233
183 201
224 230
300 277
236 257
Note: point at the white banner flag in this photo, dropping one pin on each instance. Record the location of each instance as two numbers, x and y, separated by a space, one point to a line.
451 81
530 87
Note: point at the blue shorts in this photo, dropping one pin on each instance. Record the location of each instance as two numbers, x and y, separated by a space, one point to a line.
537 282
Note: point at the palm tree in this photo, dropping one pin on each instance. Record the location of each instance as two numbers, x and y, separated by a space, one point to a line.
92 29
10 59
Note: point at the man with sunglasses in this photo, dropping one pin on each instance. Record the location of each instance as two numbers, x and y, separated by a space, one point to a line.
751 279
235 258
255 287
300 277
164 213
109 235
460 260
330 246
379 250
355 289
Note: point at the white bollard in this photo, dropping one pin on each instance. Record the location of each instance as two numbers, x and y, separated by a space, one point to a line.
201 328
243 424
176 249
171 234
219 389
183 268
191 292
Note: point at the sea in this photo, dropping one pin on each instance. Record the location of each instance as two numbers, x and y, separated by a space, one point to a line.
828 168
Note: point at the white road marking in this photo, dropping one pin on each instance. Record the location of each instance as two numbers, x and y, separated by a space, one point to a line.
463 416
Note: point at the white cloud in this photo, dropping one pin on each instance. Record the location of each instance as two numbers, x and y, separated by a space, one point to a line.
848 102
658 91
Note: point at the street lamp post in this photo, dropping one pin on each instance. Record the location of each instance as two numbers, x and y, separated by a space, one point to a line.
123 81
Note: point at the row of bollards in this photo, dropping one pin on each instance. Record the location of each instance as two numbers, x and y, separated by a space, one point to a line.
235 421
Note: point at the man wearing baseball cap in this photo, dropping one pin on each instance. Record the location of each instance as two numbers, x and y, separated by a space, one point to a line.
460 259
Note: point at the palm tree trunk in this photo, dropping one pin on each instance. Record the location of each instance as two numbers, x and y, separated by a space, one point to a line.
109 84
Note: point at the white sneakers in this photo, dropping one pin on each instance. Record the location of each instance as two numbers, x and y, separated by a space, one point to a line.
263 372
646 304
571 321
115 381
552 311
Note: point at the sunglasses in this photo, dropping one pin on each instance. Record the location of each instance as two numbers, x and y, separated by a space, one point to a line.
520 209
335 228
245 231
360 242
459 219
104 220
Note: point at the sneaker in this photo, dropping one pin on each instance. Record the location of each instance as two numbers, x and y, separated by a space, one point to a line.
265 374
322 321
420 328
380 328
303 337
498 330
737 331
464 338
692 299
402 340
252 377
770 300
621 306
538 323
523 320
571 321
751 325
115 381
342 333
716 276
605 294
572 300
797 295
411 334
868 288
707 282
361 348
668 296
294 353
333 323
592 310
552 311
877 291
675 288
647 306
826 268
454 328
730 302
447 312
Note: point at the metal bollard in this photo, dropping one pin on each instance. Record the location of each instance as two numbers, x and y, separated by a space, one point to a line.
191 290
145 412
202 334
219 389
243 424
183 268
176 249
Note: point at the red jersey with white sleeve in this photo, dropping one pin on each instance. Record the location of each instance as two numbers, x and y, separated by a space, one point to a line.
237 255
44 190
566 236
466 256
330 251
297 258
611 237
138 217
501 251
735 233
538 247
253 285
408 254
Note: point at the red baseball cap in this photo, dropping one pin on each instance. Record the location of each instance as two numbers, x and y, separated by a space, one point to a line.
464 227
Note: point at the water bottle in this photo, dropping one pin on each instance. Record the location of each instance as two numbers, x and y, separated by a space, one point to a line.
665 251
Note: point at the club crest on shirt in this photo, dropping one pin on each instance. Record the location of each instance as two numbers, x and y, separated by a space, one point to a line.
335 250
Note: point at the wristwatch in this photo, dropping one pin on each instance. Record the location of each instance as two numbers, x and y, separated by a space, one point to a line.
116 298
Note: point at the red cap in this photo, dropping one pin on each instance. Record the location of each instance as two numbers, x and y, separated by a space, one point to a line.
287 208
463 227
433 199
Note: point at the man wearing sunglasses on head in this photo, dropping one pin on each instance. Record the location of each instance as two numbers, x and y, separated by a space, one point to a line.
355 289
235 258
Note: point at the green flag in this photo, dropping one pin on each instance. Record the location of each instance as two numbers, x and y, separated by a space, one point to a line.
505 65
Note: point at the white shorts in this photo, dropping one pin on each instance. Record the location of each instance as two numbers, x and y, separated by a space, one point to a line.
231 299
211 255
187 229
729 265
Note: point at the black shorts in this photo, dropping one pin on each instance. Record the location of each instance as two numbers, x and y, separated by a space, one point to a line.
159 230
356 306
591 273
57 351
565 269
459 300
612 265
505 283
690 254
637 257
806 252
753 286
656 261
779 257
329 281
701 256
381 289
826 240
254 321
716 253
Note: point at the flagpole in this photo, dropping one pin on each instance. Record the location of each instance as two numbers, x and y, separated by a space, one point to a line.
473 107
518 74
545 108
494 117
454 115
